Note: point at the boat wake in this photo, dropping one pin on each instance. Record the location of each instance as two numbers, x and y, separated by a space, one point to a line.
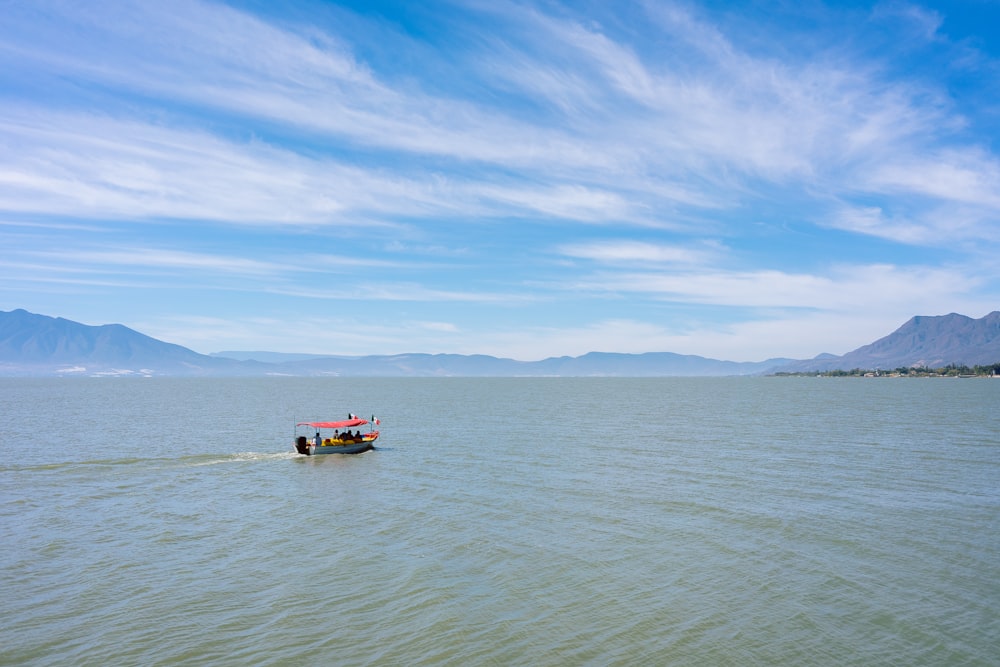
190 461
239 457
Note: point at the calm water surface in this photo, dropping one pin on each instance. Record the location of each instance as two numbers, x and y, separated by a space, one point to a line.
678 521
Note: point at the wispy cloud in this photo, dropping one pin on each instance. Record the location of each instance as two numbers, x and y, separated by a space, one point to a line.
534 154
169 259
956 226
628 252
964 176
367 291
93 166
657 127
843 289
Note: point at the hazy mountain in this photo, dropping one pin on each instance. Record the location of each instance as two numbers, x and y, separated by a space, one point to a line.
932 342
40 345
270 357
651 364
592 364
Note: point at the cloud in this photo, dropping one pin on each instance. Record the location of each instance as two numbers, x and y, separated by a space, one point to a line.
343 334
686 119
873 221
847 288
623 251
960 217
285 139
800 335
920 23
967 176
440 327
367 291
92 166
168 259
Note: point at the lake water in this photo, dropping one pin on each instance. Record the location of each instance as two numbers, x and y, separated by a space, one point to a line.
547 521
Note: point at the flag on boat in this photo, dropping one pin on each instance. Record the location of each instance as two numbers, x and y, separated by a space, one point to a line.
375 420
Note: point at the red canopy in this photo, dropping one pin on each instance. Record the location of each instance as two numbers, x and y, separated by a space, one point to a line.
347 423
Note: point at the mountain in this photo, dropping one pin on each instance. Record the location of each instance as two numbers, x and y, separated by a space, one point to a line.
38 345
269 357
931 342
656 364
651 364
33 344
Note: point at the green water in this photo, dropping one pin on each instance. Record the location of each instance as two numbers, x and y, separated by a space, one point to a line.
680 521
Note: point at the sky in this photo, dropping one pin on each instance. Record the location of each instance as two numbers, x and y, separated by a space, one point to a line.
736 180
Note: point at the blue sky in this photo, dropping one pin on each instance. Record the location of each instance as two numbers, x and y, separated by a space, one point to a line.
521 179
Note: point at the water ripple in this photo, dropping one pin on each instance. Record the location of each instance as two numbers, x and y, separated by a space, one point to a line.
740 522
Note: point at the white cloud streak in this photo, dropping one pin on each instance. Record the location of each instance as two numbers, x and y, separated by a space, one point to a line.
676 128
628 252
730 118
845 289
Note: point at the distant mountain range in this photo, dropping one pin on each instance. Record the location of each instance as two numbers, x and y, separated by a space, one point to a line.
39 345
930 342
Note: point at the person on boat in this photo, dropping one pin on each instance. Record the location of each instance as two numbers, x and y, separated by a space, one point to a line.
357 436
318 440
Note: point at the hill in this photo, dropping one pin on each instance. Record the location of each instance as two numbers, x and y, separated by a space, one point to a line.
39 345
923 341
33 344
654 364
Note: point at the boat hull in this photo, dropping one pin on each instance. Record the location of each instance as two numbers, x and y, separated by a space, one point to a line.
307 448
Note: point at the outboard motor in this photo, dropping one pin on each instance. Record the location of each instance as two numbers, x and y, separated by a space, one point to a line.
302 445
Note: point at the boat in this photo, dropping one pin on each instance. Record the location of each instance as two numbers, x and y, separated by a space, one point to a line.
335 437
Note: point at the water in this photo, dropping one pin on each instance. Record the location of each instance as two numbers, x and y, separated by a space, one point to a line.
680 521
